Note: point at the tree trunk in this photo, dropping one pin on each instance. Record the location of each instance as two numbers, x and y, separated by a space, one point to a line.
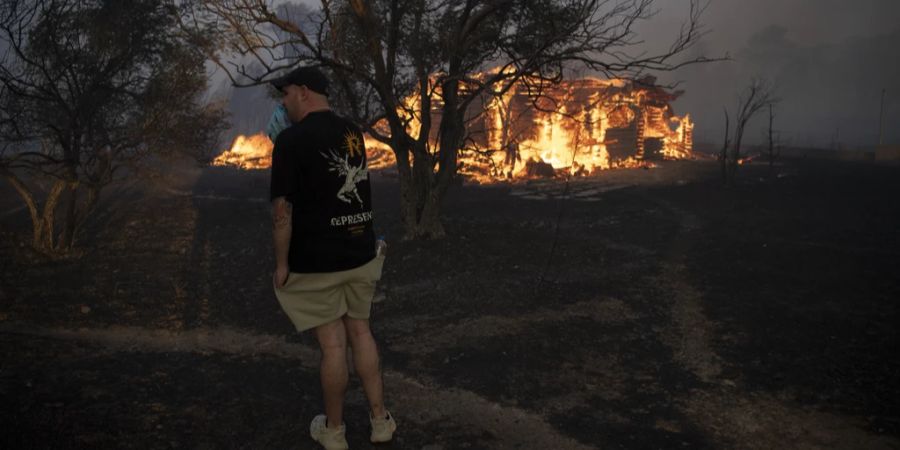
67 236
430 225
771 138
724 155
36 221
422 191
76 216
452 130
42 224
47 244
93 197
736 154
724 161
400 144
425 221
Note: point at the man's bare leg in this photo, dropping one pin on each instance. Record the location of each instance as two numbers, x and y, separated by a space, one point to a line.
333 369
366 362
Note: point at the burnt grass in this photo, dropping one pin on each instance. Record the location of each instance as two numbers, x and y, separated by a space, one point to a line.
636 309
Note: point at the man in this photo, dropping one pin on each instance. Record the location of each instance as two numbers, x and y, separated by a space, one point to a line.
326 264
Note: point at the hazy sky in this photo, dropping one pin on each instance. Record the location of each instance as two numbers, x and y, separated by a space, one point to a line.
810 22
830 60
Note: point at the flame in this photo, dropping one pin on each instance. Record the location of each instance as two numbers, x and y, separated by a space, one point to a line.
247 152
745 160
255 152
378 154
578 127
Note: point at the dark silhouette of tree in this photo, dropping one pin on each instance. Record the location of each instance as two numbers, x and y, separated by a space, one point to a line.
90 90
773 141
442 54
758 95
723 154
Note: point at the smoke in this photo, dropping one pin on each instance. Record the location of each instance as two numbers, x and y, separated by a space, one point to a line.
830 93
829 61
251 107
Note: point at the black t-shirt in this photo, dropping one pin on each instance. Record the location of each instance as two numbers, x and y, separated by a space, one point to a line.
319 165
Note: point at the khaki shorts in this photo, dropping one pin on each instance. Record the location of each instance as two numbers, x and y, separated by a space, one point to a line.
313 299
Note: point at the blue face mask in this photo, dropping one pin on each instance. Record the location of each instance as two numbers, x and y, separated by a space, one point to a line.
278 122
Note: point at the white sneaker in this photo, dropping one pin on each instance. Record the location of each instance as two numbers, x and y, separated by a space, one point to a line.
382 429
330 438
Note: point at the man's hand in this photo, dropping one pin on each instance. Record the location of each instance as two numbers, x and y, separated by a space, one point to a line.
280 277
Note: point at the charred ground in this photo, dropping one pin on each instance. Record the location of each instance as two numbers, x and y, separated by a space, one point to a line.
638 309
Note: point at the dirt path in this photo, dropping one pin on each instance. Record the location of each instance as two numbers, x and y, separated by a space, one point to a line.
724 409
691 332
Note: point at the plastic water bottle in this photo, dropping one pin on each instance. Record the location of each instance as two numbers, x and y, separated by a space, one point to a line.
380 246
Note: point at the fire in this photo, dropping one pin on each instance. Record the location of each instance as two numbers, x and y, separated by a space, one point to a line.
253 152
745 161
579 127
378 154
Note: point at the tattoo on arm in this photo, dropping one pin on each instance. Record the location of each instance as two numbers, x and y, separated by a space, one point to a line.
281 213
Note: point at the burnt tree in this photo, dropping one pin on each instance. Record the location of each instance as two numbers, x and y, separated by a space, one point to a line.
382 53
89 89
773 141
758 95
723 154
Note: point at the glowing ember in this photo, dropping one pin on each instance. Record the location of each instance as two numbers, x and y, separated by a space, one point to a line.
253 152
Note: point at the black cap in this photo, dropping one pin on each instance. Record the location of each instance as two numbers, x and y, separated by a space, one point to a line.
310 77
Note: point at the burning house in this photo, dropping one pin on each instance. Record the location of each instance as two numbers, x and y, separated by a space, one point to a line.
581 126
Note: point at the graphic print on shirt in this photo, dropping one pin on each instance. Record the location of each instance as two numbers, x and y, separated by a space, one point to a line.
353 144
352 174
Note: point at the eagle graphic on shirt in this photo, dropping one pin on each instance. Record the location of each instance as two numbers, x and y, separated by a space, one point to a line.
352 174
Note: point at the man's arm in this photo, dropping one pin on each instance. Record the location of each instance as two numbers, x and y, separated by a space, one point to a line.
281 234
